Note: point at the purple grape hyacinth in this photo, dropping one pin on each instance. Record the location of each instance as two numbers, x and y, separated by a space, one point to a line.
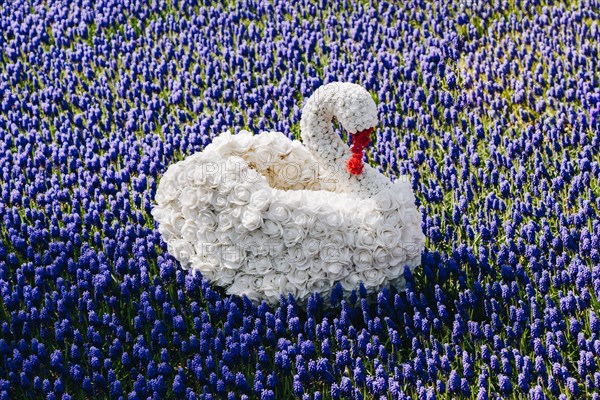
492 109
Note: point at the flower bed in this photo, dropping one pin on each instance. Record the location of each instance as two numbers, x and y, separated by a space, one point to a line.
493 112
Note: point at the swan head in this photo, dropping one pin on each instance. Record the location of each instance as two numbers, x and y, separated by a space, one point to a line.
357 113
353 107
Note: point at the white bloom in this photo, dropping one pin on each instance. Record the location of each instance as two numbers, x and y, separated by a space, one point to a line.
365 238
207 219
260 266
225 220
362 259
167 190
278 212
260 199
189 213
292 234
282 264
204 196
381 257
239 195
297 257
372 217
298 278
387 236
311 246
225 276
220 202
251 219
242 142
272 229
181 250
205 235
334 219
318 284
176 221
243 284
189 230
302 219
372 278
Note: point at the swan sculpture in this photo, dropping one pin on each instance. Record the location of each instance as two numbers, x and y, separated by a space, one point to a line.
263 215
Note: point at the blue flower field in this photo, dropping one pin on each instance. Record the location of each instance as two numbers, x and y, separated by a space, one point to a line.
492 109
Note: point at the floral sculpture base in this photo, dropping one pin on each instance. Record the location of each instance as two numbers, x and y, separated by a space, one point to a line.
263 215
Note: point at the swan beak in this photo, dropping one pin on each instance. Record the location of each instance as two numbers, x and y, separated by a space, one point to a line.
360 140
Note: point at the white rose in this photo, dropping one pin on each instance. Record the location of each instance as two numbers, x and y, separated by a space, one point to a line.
228 183
393 218
177 220
372 218
256 283
381 257
260 266
242 142
232 257
385 201
199 265
272 228
189 231
164 223
240 195
260 199
387 236
295 256
365 238
282 265
184 175
362 259
242 284
181 250
207 219
225 220
272 286
334 269
256 243
224 277
212 174
292 234
302 219
265 155
410 216
351 282
199 175
206 235
220 202
167 189
251 219
319 229
299 278
394 272
189 212
310 247
204 196
372 278
278 212
334 219
318 284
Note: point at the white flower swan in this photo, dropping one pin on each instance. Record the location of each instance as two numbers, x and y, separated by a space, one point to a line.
263 215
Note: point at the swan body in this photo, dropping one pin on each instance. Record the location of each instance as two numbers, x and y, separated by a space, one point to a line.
263 215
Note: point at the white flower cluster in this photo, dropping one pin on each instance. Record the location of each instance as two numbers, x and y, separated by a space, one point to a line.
264 215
